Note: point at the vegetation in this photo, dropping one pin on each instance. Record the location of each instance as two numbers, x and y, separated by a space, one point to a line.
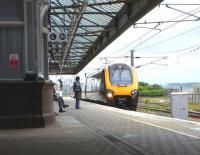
157 103
163 103
163 107
196 89
154 97
194 106
146 89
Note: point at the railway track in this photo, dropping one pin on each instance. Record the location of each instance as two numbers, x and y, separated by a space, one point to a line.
191 114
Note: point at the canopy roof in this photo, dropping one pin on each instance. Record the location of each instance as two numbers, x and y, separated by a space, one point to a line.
90 26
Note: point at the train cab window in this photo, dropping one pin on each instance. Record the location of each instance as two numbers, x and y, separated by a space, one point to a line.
120 74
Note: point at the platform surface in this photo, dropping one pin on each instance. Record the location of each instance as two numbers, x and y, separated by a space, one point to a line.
101 130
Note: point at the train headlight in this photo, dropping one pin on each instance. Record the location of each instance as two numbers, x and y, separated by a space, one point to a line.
110 93
134 92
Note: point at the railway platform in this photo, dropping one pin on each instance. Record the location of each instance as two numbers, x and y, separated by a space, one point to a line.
100 130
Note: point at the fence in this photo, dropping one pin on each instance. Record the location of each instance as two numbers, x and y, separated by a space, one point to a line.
195 98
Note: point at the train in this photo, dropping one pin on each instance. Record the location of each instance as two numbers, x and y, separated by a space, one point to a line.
115 85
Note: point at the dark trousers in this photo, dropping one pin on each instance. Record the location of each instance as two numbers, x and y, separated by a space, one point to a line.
60 103
77 103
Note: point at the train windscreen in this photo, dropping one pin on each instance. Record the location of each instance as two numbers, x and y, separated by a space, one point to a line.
120 74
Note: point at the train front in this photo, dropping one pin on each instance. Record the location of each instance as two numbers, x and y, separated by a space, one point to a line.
122 85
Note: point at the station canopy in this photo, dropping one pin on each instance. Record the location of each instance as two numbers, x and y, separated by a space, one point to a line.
89 26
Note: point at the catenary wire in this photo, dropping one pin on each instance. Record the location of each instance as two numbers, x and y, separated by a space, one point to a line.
154 36
151 31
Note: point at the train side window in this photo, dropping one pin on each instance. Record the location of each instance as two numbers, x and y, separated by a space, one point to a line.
96 83
89 84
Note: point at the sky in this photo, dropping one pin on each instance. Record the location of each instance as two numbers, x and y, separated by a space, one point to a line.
176 44
169 51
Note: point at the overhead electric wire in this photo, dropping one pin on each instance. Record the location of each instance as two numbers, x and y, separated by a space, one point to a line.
152 62
197 27
164 57
139 38
156 68
179 4
188 61
160 32
161 57
133 41
189 52
176 51
153 35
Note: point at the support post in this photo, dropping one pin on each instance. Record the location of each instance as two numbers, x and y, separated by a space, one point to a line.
132 58
26 98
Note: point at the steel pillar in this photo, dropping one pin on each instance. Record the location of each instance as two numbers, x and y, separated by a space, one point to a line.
26 95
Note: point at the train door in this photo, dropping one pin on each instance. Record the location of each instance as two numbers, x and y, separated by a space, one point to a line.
102 83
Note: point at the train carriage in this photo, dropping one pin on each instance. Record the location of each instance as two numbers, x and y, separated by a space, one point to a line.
115 85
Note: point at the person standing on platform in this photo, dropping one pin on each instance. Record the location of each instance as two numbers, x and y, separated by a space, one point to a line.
77 91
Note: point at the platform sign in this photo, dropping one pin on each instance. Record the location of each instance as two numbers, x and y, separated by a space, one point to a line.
57 37
13 60
53 36
62 36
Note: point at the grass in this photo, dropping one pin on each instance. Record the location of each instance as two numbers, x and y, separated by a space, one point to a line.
194 106
163 103
157 103
163 99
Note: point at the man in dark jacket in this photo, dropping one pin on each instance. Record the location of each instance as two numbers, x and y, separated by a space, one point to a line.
77 91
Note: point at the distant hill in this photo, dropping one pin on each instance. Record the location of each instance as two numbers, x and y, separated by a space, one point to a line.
184 85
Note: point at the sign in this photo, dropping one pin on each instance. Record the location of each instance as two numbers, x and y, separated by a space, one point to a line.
13 60
62 36
57 37
52 36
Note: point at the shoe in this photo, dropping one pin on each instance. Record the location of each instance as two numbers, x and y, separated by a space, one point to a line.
65 105
61 110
